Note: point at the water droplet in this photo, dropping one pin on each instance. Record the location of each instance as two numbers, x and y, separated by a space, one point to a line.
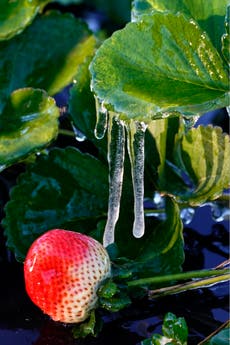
102 119
155 207
2 167
189 121
136 140
116 154
158 200
79 136
220 211
187 215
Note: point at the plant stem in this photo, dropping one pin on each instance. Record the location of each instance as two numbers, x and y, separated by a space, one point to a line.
67 132
223 326
178 276
201 283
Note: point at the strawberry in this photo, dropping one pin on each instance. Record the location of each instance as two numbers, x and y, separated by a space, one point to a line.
63 270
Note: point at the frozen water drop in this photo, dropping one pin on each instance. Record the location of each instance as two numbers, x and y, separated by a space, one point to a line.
155 207
2 167
79 136
158 200
220 211
187 215
189 121
116 154
136 140
102 119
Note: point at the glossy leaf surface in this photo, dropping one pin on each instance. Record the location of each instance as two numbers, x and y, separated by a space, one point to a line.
16 15
28 123
46 55
221 338
70 197
161 250
158 66
82 106
204 154
175 331
208 13
193 166
226 37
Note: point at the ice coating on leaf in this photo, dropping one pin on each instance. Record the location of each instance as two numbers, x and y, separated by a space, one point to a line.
136 142
101 120
135 70
116 154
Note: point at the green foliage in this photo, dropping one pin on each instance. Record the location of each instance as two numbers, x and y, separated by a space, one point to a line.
173 68
221 338
209 14
65 189
168 65
161 248
35 64
33 124
174 331
82 108
92 326
193 166
16 15
226 38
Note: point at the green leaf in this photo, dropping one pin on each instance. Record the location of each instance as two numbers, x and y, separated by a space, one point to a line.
160 65
160 139
16 15
65 189
193 166
175 331
107 290
161 250
175 328
208 13
82 106
222 338
46 55
203 154
28 123
115 303
92 326
226 38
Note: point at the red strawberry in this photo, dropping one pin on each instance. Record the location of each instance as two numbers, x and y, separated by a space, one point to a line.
63 270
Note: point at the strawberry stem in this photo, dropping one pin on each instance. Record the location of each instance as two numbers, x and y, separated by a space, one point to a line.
178 276
197 284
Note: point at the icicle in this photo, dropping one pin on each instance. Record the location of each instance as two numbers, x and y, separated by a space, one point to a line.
102 119
116 153
136 140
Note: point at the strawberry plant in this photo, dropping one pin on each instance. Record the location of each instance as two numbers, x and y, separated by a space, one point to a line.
144 85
